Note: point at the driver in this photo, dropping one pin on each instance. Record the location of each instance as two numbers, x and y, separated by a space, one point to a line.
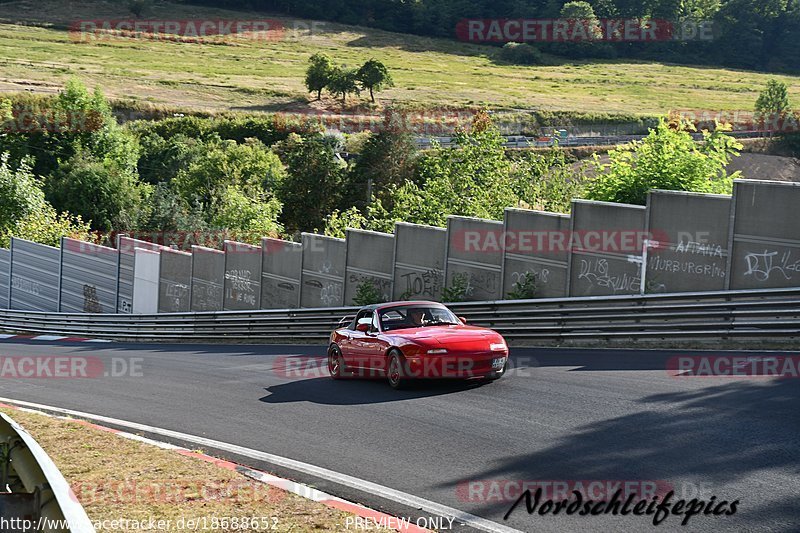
417 317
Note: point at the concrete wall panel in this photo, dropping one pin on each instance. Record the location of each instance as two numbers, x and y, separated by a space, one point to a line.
5 265
324 264
535 242
281 267
175 282
208 279
692 232
475 253
605 241
126 247
419 261
370 259
88 277
35 276
242 277
766 235
146 264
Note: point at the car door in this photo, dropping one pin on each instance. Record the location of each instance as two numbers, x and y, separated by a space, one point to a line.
357 356
375 344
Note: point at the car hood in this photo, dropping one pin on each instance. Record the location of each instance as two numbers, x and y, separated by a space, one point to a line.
446 334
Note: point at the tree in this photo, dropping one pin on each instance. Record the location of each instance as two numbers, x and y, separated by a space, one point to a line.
250 167
318 74
25 213
470 179
773 100
343 82
668 158
387 159
374 76
99 191
314 184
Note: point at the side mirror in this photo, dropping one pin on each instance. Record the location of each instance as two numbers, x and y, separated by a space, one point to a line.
363 327
462 319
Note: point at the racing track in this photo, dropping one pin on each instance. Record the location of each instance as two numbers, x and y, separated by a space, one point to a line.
562 414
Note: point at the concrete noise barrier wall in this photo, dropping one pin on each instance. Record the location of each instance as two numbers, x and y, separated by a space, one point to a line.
35 276
765 240
127 247
606 241
146 264
475 254
324 261
174 281
242 277
370 259
281 266
208 279
419 260
5 267
88 277
535 243
692 234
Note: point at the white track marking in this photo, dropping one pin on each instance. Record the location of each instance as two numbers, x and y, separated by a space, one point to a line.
342 479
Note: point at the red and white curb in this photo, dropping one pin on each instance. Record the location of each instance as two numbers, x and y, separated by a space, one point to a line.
375 518
49 338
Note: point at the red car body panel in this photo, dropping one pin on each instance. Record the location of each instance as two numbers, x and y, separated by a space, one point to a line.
470 351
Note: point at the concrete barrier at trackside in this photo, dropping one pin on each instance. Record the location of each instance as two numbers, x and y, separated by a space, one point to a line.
370 259
765 240
127 247
324 264
242 277
5 266
605 247
475 255
146 264
419 259
281 266
692 234
175 282
34 276
88 277
534 243
208 279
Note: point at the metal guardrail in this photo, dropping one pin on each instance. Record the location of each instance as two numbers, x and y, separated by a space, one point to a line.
770 314
38 491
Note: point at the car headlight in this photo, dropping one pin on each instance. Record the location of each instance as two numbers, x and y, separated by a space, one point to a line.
498 346
436 351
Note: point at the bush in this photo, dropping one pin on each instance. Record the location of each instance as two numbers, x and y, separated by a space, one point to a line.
99 191
521 54
668 158
457 290
25 213
525 287
367 294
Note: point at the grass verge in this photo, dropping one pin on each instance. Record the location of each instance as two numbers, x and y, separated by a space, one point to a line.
120 479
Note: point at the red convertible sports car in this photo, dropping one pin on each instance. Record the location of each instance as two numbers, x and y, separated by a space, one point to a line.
404 341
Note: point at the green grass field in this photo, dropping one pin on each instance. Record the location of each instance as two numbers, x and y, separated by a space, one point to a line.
37 54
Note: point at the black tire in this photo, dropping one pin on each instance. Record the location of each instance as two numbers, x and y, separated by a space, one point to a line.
397 370
336 366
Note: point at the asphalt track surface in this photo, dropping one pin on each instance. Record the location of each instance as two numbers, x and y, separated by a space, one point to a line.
560 415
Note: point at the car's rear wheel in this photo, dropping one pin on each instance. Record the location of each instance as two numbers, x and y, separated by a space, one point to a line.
336 362
397 371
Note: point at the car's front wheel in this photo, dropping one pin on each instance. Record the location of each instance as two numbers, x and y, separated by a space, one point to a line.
335 362
396 371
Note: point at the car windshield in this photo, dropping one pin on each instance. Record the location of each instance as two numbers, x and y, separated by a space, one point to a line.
416 316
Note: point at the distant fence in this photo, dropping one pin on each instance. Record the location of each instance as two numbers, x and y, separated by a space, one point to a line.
681 242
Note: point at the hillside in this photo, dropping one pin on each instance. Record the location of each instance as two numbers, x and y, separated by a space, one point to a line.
38 54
